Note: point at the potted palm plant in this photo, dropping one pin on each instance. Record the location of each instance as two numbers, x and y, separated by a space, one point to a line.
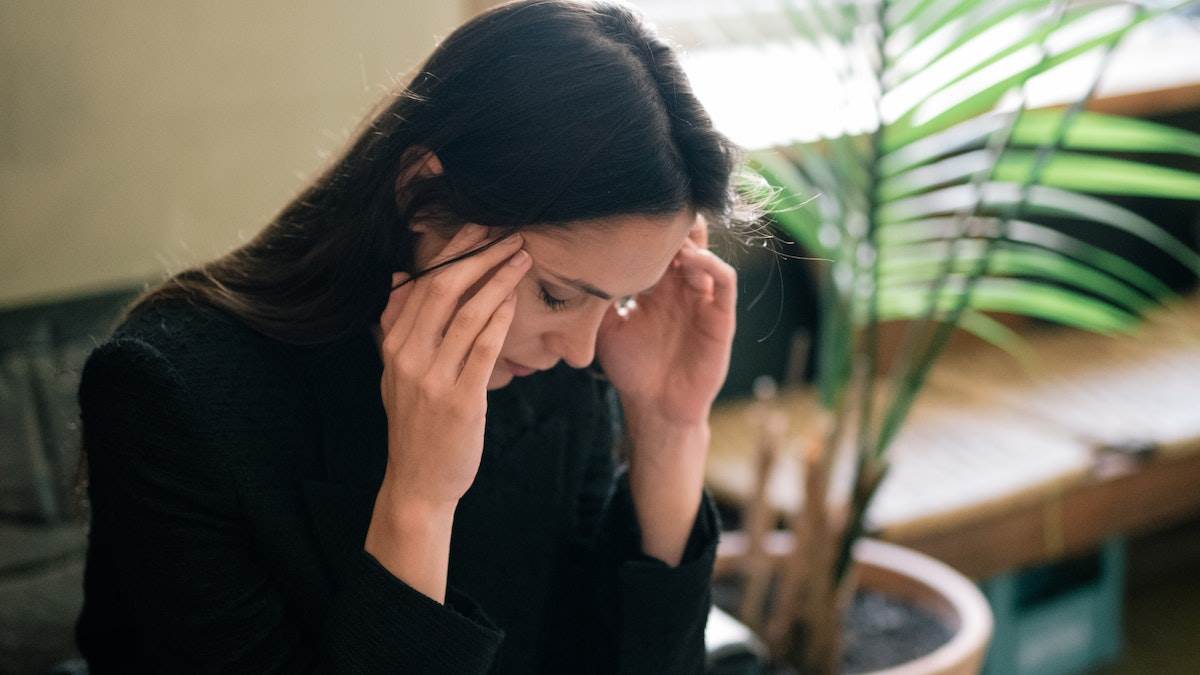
935 220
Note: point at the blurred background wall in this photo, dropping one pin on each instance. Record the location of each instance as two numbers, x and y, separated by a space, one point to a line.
139 137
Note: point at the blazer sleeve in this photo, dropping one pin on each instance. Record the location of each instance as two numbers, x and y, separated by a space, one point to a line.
638 614
180 552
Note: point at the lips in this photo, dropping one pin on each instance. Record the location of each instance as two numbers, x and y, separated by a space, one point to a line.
518 369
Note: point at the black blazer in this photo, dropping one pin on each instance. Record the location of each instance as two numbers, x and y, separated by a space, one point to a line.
232 478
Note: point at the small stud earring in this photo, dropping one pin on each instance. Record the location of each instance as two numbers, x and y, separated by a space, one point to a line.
625 306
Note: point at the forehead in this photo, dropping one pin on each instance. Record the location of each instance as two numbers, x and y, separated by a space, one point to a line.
621 255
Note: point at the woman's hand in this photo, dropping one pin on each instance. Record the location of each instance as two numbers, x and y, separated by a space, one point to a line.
667 360
440 344
439 347
670 356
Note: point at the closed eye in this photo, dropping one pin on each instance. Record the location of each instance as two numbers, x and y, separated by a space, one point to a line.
555 304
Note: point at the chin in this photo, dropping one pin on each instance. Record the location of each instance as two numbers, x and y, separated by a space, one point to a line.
500 378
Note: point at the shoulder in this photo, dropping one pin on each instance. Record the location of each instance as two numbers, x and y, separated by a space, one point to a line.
159 412
195 368
195 337
208 349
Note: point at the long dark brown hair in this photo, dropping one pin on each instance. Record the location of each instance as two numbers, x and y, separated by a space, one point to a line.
542 112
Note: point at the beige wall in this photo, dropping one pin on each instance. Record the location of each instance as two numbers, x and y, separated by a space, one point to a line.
137 137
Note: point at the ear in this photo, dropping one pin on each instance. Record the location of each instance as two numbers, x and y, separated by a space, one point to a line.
426 164
429 164
698 232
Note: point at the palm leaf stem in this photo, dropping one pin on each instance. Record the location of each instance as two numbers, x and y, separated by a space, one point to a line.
907 371
871 251
915 376
918 331
868 471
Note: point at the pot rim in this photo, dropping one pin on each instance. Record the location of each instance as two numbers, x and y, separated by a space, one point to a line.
972 612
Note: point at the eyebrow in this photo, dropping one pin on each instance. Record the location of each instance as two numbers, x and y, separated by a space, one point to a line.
581 285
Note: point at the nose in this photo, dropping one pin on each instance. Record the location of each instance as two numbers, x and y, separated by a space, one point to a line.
575 341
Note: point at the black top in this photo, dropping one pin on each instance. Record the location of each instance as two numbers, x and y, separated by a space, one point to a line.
232 479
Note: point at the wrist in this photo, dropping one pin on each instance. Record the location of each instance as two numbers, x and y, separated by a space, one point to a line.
644 423
411 539
660 446
666 481
666 506
403 509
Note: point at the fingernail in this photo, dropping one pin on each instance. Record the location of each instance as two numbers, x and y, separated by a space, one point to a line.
518 258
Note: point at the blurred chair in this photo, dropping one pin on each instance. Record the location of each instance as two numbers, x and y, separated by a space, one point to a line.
42 527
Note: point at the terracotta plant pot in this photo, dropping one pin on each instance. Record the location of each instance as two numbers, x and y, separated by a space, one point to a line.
907 575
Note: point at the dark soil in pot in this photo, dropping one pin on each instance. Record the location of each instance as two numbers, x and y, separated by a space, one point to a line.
879 631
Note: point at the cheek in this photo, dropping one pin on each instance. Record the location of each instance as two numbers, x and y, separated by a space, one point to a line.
523 325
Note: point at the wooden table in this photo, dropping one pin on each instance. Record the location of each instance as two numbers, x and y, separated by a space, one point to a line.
1032 481
1131 500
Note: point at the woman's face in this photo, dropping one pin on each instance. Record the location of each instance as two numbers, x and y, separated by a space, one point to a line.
578 273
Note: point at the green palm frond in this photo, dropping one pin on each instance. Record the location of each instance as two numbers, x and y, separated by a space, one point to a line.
946 212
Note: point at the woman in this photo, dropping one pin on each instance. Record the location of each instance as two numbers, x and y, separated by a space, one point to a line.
366 441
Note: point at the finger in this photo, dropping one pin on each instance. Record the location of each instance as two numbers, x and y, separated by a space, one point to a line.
395 303
695 278
482 360
471 319
723 276
466 237
447 287
702 282
698 232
